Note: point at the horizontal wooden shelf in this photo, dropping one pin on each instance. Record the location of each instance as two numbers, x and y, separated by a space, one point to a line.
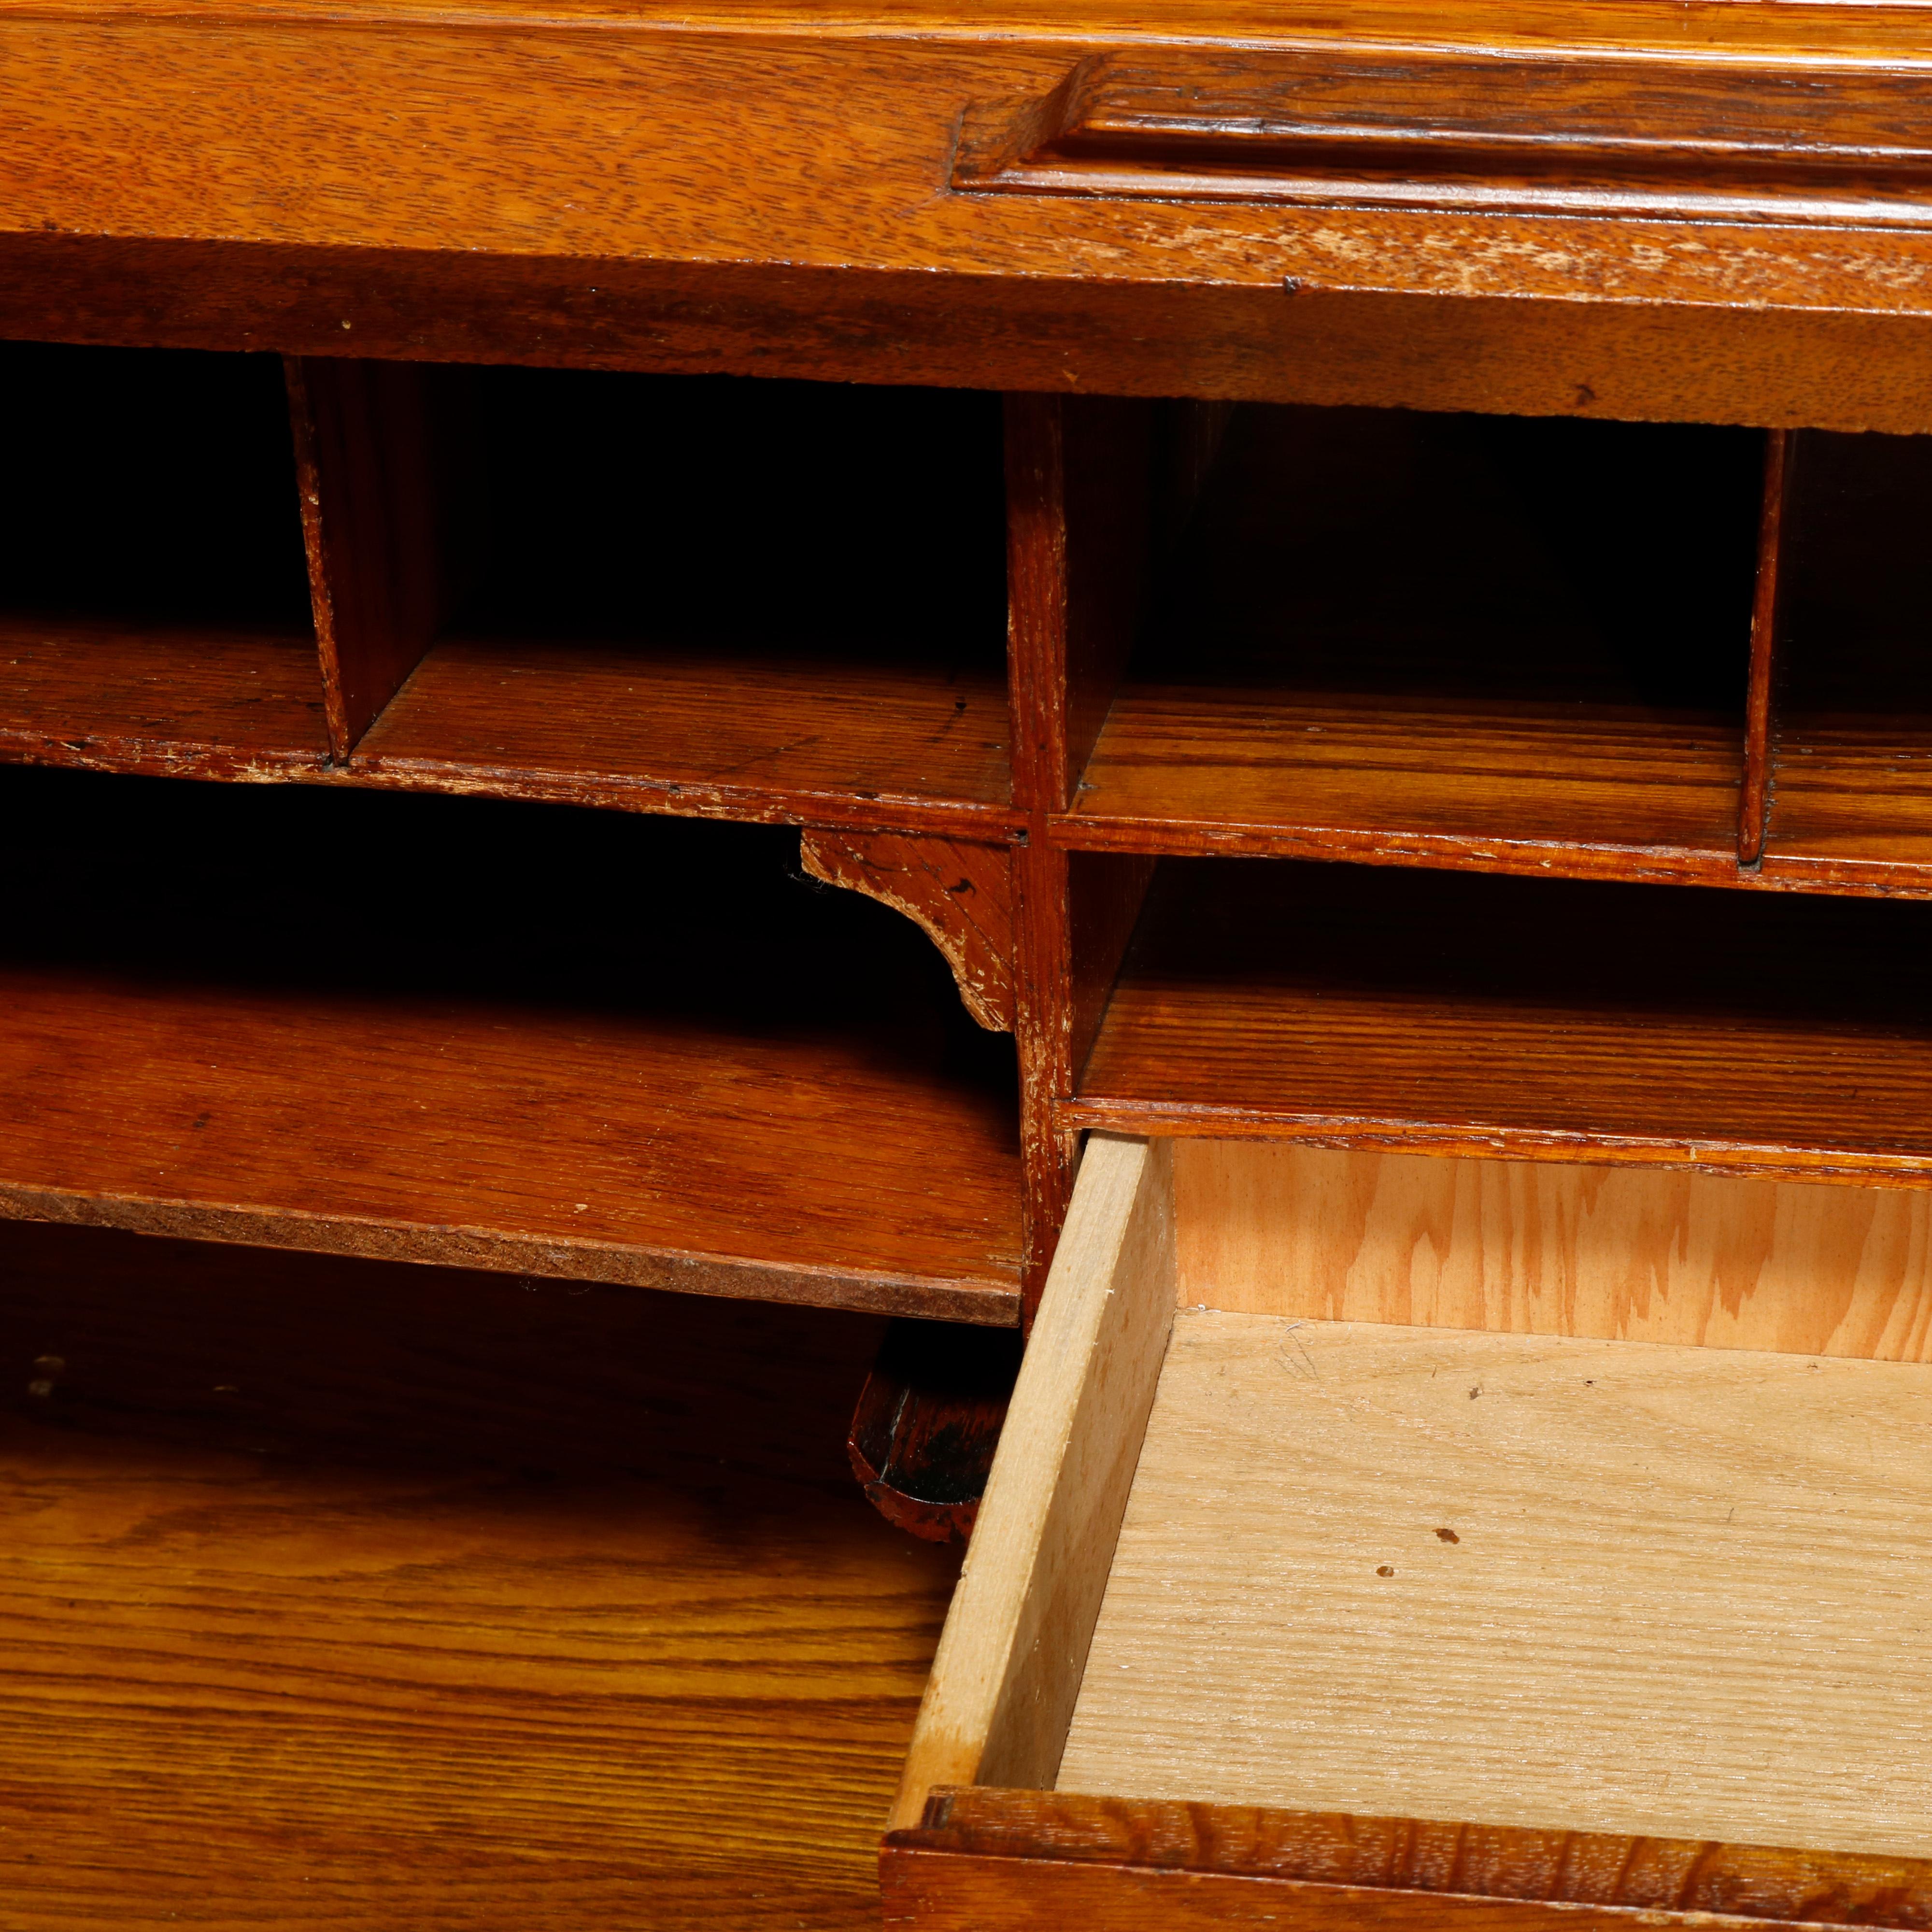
1757 1033
189 700
153 609
1573 791
763 601
583 1046
345 1593
1455 641
702 733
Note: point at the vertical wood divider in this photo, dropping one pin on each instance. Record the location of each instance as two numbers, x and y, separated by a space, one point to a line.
365 469
1754 796
1079 493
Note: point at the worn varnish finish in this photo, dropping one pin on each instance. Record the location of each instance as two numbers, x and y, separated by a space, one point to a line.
1540 1248
343 1594
1444 641
1453 1014
681 731
1462 130
569 1096
528 170
370 501
961 895
1852 742
962 1860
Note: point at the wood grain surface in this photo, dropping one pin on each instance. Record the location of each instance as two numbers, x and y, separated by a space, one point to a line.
153 611
190 701
1009 1666
793 609
295 146
692 732
1764 1033
1405 637
1465 129
1538 1248
1597 1586
1015 1857
338 1593
616 1085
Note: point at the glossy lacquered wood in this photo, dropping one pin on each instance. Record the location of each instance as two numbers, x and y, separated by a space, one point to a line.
1351 1006
1465 129
1017 1858
650 212
343 1594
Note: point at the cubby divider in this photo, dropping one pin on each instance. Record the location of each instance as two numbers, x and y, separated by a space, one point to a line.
1851 745
153 612
702 596
1453 641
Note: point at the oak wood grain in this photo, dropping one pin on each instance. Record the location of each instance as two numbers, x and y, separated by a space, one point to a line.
340 1593
1009 1665
1443 344
153 614
1464 129
1539 1248
133 696
619 1088
964 1857
1404 636
760 600
1760 1033
1589 1585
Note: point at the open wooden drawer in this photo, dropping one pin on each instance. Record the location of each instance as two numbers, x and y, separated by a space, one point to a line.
1587 1511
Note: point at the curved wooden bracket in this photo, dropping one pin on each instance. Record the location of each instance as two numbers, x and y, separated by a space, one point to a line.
961 894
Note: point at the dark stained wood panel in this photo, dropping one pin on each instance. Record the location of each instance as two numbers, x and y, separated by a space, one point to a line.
129 696
990 1855
1852 753
1446 640
1763 1033
340 1593
587 1045
701 733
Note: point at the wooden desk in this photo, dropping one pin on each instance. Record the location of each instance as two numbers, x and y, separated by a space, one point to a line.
784 613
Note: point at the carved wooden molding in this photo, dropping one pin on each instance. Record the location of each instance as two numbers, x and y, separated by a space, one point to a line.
961 894
1565 133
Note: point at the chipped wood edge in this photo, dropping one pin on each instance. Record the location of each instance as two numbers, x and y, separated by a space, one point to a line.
908 875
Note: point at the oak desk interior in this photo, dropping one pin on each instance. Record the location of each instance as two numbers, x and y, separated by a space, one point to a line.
650 659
